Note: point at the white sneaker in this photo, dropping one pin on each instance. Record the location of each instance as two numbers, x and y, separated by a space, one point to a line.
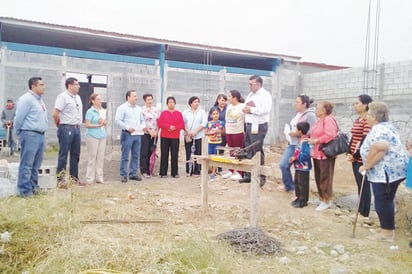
322 206
236 176
227 175
315 202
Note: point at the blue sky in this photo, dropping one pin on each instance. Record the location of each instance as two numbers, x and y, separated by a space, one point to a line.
322 31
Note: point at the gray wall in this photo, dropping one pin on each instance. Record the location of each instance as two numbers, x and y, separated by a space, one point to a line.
393 85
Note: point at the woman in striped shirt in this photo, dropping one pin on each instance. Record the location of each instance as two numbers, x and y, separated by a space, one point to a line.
359 131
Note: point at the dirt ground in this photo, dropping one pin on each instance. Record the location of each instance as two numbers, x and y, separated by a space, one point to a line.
312 242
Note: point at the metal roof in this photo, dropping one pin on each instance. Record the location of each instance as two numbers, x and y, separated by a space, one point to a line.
69 37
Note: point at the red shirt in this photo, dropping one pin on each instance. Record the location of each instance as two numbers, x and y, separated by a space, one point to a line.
167 119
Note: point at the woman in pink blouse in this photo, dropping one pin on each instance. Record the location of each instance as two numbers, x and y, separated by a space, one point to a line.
149 138
324 131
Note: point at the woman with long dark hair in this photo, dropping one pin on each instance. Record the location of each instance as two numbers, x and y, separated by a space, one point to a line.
359 131
303 114
235 127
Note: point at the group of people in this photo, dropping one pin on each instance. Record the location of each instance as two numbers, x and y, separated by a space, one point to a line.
140 127
31 123
237 124
379 160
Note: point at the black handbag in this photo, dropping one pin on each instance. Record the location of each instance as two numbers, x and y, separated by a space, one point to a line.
337 146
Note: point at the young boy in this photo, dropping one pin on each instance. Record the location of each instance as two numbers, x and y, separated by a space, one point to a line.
302 164
214 130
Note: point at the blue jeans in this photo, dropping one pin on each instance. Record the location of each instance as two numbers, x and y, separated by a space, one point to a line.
69 142
130 144
384 194
285 168
31 157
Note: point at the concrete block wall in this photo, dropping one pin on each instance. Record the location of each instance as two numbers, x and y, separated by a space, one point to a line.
284 99
393 85
17 67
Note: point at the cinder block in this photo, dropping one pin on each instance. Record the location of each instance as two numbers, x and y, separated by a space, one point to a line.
47 177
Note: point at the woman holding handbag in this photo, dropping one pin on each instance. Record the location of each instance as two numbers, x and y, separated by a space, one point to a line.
324 131
359 131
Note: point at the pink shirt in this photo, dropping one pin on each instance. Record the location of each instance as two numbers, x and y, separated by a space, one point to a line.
325 130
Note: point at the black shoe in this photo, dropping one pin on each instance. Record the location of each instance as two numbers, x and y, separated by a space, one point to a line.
163 176
262 181
135 177
123 179
244 180
295 202
300 204
176 176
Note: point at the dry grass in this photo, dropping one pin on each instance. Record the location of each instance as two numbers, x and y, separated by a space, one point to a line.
164 230
48 236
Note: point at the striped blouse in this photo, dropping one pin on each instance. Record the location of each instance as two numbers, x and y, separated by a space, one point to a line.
359 131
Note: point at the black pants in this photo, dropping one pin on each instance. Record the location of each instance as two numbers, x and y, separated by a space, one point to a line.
145 152
198 151
365 196
302 185
250 139
168 145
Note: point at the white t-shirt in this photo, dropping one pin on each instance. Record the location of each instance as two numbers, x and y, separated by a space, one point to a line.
235 119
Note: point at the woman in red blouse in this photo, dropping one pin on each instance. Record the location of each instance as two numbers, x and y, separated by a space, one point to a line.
170 123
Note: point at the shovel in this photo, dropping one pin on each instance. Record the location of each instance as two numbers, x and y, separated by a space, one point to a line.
7 149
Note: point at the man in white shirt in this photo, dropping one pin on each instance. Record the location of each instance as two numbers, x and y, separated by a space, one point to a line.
257 109
68 117
130 119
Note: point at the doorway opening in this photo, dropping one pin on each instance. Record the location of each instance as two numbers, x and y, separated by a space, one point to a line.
90 83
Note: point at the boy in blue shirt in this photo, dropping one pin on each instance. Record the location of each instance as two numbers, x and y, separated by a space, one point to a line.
302 163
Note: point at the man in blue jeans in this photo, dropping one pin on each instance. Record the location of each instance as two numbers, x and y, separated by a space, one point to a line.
130 119
68 116
31 123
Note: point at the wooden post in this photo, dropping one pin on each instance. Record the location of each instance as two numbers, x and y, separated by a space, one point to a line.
254 190
204 184
204 173
252 166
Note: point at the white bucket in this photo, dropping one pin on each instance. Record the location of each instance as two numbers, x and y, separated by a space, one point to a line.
7 188
4 172
14 171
